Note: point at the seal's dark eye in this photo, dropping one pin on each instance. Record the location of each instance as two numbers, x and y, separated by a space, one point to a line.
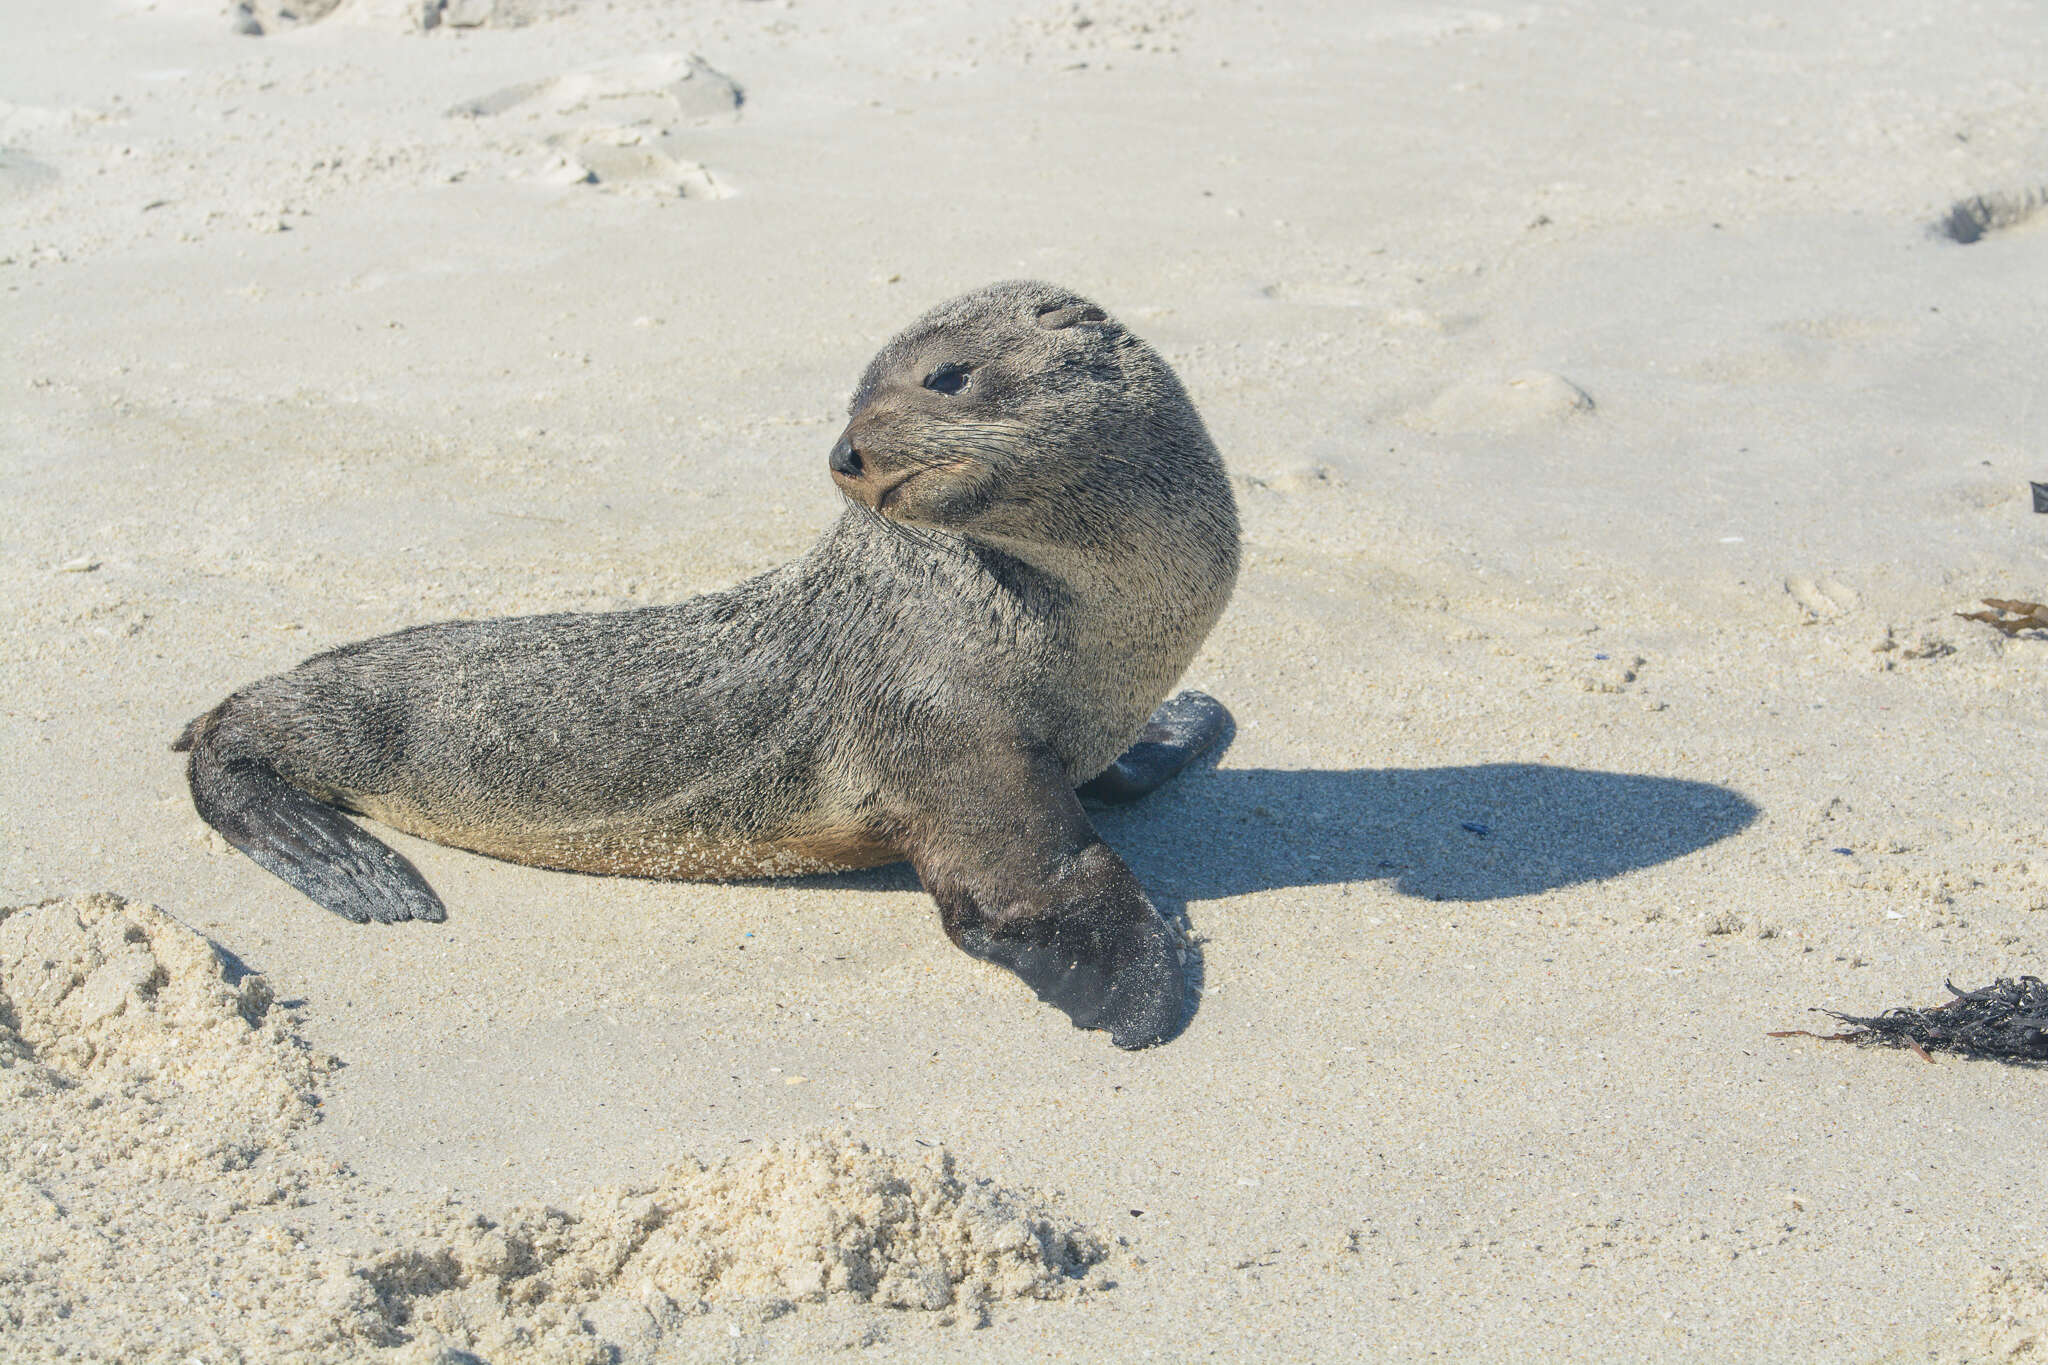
947 379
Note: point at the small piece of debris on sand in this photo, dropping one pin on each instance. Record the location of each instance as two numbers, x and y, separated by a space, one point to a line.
2009 616
2006 1021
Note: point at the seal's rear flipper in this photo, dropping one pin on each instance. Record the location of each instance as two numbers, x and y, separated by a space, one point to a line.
307 842
1183 729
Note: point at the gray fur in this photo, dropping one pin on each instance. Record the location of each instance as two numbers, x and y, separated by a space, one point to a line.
1001 626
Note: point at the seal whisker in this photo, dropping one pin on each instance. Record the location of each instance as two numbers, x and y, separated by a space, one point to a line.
909 534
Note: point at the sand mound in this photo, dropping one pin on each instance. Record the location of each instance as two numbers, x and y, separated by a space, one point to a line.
800 1222
147 1100
124 1027
616 124
257 17
2006 1318
151 1106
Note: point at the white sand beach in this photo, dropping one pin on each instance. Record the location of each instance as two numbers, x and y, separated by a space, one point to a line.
1622 401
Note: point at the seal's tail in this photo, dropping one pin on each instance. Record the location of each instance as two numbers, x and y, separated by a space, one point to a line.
308 843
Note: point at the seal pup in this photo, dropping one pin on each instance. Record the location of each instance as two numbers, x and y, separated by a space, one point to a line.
1038 535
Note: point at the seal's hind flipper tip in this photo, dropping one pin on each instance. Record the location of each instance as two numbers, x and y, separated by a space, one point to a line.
376 895
339 864
308 843
1192 719
1182 729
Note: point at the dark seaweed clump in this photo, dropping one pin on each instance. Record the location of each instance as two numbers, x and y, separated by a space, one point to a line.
2007 1020
1969 221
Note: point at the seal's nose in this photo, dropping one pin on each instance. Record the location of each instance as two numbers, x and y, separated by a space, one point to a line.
845 459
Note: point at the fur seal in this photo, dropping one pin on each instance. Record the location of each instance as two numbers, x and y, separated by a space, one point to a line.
1038 535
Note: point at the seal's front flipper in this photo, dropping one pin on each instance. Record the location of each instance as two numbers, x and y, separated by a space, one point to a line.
306 842
1183 729
1022 881
1112 963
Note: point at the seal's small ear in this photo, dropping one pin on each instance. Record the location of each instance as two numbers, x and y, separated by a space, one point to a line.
1054 316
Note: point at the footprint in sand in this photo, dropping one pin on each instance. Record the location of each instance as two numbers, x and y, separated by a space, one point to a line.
1317 295
258 17
1821 599
1610 673
1531 399
22 175
616 124
1299 478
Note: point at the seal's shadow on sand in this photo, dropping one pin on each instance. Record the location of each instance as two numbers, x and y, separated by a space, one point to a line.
1471 833
1477 832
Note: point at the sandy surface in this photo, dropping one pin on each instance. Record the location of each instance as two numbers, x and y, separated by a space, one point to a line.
1617 431
157 1098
